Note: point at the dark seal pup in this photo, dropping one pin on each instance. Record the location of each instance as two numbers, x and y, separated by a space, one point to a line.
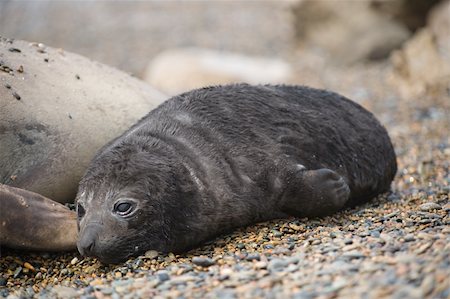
217 158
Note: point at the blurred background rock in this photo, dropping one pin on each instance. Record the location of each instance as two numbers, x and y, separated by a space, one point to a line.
328 44
127 34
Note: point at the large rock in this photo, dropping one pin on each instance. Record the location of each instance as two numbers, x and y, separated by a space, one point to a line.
423 63
178 70
411 13
439 23
347 31
56 110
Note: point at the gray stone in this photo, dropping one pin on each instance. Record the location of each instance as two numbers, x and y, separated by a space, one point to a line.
429 206
65 292
203 261
354 254
346 38
163 275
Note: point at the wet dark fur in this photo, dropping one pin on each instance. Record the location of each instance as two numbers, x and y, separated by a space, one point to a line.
243 143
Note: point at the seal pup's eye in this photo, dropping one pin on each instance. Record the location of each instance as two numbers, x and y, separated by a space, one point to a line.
124 207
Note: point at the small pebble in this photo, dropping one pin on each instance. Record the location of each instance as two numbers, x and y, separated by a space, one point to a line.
348 241
74 261
151 254
17 271
16 95
427 285
253 256
409 238
64 292
386 237
277 233
29 266
261 265
429 206
202 261
163 275
353 254
277 264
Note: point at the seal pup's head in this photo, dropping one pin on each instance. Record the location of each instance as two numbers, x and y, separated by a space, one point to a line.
133 199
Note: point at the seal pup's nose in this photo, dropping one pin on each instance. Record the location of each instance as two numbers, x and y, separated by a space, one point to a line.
86 242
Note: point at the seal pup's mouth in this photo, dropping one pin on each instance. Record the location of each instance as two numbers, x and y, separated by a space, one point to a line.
108 251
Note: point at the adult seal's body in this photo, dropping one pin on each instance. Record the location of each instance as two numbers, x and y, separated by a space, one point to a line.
57 109
213 159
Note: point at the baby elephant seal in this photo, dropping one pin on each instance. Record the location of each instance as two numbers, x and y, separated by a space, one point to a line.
217 158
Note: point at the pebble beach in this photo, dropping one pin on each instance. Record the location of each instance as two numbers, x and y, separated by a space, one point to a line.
396 246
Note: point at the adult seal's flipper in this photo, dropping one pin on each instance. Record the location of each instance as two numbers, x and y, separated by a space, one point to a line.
33 222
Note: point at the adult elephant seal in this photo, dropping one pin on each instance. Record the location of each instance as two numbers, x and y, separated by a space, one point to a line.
56 110
217 158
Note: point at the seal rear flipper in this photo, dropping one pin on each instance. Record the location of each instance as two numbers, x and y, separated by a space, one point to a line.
33 222
313 193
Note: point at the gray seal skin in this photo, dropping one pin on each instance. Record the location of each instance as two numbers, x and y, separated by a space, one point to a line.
56 112
214 159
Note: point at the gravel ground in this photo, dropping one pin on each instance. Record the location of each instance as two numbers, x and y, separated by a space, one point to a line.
397 246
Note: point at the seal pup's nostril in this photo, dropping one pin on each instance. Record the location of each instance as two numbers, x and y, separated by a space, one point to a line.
90 247
86 247
86 243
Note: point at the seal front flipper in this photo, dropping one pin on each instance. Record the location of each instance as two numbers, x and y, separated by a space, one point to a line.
312 193
33 222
